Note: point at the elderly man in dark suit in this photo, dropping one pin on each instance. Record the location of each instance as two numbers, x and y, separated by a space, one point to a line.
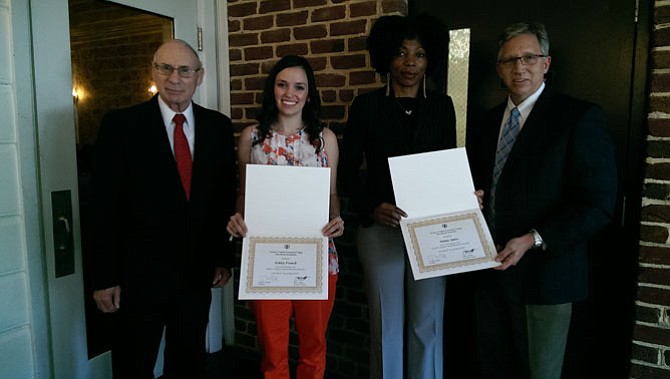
547 167
163 186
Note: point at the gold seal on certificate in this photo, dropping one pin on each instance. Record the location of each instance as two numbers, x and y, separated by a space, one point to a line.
285 255
445 232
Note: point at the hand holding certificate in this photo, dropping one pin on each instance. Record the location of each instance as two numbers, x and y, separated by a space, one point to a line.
445 231
282 257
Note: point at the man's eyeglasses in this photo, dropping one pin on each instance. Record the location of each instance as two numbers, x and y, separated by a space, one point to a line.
528 59
183 71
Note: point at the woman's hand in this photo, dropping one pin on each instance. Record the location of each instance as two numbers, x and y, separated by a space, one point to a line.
236 226
388 215
334 228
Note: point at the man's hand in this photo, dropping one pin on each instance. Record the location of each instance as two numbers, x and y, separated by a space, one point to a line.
221 277
108 300
514 251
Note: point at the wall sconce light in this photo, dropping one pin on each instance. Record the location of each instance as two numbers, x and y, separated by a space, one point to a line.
75 95
153 89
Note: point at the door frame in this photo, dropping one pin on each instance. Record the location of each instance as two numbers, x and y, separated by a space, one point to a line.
62 299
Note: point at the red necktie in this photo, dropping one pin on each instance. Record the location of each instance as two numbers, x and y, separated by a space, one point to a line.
182 154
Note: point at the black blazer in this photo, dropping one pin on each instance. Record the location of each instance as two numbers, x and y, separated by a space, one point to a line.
560 178
374 133
144 229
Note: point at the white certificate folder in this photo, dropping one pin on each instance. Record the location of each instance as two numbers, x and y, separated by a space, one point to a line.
445 232
285 255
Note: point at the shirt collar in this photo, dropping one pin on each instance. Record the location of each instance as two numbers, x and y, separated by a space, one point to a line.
527 105
168 114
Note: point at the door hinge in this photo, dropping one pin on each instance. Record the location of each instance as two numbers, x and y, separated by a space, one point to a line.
199 38
637 11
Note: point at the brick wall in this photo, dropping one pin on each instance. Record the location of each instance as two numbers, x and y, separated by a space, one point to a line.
331 34
651 340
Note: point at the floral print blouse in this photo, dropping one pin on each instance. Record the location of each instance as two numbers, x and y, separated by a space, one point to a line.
292 150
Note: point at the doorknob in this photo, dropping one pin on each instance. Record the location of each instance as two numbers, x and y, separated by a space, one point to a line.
61 211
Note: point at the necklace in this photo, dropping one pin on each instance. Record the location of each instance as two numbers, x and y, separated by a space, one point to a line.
407 111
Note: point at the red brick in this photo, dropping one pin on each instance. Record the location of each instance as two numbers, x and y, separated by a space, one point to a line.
346 95
268 6
255 83
658 149
655 255
244 69
328 96
362 77
238 98
292 19
234 26
235 84
654 275
660 171
348 61
659 127
258 52
660 59
277 35
318 63
308 3
649 334
329 13
368 8
348 27
294 48
243 39
653 233
357 43
332 112
661 14
327 46
241 10
258 23
656 213
659 103
646 372
234 55
654 295
236 113
310 32
393 6
330 80
250 113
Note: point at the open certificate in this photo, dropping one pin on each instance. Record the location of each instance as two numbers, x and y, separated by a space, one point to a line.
285 255
445 231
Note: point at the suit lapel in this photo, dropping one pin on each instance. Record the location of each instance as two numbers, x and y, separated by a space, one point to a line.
532 129
202 145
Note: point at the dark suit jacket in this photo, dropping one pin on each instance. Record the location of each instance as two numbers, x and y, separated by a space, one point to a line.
145 232
374 133
560 178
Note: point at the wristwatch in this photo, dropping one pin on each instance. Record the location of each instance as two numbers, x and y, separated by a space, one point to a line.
538 243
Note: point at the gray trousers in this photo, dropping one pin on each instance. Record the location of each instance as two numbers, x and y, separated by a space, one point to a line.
405 315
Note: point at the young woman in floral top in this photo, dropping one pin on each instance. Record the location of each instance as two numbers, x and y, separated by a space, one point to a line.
290 133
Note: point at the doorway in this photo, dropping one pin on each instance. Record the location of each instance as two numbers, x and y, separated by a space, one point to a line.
599 53
112 49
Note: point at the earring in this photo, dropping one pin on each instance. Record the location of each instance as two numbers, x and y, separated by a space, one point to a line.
424 86
388 83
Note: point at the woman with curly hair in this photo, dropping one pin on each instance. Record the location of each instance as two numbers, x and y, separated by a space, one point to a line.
404 117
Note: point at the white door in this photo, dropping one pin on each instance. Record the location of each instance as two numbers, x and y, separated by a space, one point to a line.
58 174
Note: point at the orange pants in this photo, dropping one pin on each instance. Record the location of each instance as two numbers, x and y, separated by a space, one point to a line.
311 321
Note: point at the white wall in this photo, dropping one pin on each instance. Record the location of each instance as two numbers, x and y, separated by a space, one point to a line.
23 329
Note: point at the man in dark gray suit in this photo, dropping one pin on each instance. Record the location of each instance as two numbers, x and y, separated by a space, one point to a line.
547 167
164 184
